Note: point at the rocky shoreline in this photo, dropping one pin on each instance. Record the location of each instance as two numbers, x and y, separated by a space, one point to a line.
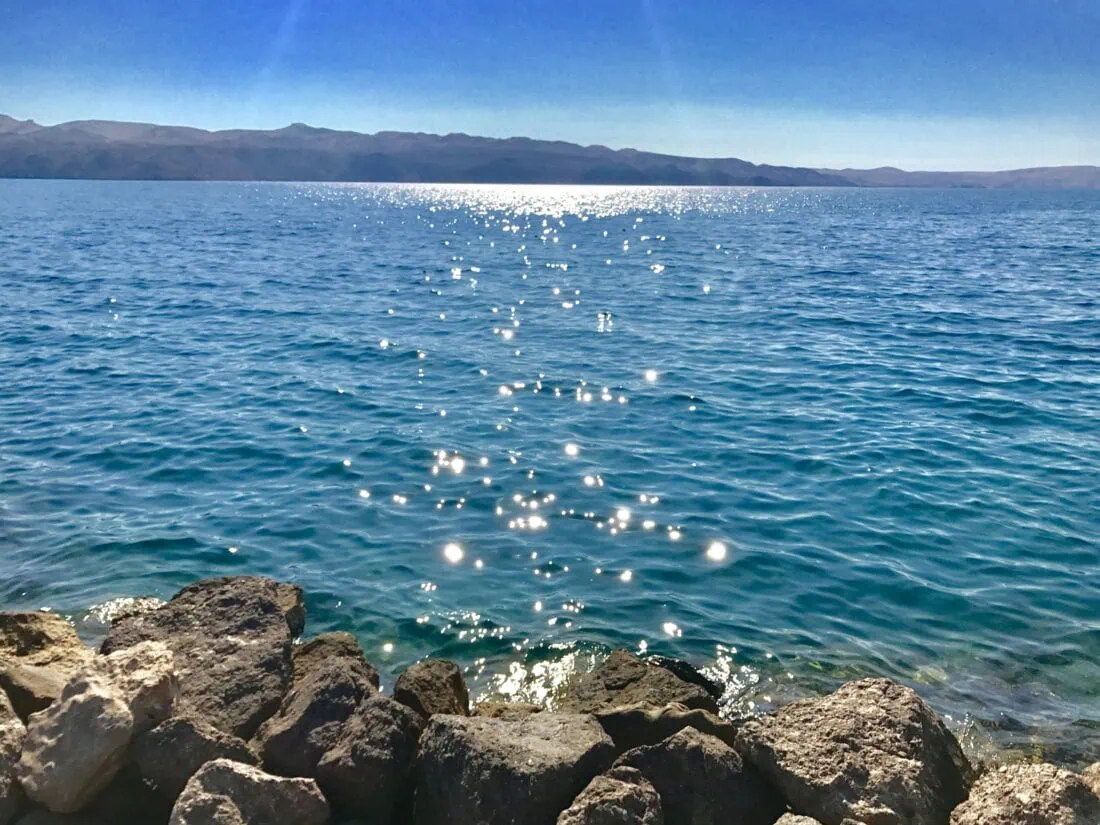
212 709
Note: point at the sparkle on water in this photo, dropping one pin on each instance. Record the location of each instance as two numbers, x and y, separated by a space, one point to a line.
885 402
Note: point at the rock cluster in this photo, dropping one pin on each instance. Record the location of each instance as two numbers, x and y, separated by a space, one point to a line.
206 712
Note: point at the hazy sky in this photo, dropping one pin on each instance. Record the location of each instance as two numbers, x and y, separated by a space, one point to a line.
947 84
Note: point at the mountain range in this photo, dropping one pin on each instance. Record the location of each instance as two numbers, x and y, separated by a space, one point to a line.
115 150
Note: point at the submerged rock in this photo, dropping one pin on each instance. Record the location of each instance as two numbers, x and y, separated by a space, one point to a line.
43 640
170 754
624 679
433 686
1025 794
506 772
32 688
632 726
622 796
12 734
704 781
232 642
311 654
229 793
872 752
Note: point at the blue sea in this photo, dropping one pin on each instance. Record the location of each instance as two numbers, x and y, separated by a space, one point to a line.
792 436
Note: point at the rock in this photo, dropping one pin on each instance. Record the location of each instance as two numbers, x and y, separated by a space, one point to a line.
872 752
318 650
40 816
170 753
41 639
232 642
622 796
1027 794
506 772
368 774
12 734
74 748
704 781
795 819
129 800
1091 776
633 726
433 686
32 688
689 673
624 679
506 710
229 793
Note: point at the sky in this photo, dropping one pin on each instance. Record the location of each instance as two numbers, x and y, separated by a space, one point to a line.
920 84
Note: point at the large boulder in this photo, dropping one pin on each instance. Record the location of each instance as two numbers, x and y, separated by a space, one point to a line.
624 679
232 642
12 734
704 781
795 819
170 754
41 639
494 709
224 792
313 653
506 772
75 747
433 686
1091 776
622 796
1029 794
32 688
872 752
633 726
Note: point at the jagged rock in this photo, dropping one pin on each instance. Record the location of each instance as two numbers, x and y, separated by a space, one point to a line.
795 819
633 726
41 639
689 673
232 642
311 654
170 753
74 748
506 710
704 781
433 686
872 752
12 734
229 793
32 688
1091 775
624 679
506 772
1026 794
622 796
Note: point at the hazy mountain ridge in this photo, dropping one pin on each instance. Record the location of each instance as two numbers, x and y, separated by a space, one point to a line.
98 149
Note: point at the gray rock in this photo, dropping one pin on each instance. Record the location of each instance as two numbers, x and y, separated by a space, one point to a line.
1091 775
704 781
624 679
506 710
622 796
320 649
795 819
232 641
12 734
872 752
433 686
1026 794
481 771
170 754
32 688
41 639
634 726
229 793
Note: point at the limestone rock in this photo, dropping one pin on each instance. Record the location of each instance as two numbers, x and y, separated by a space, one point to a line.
32 688
229 793
12 734
232 642
633 726
481 771
41 639
172 752
624 679
622 796
145 677
873 752
312 653
1026 794
433 686
795 819
1091 775
506 710
704 781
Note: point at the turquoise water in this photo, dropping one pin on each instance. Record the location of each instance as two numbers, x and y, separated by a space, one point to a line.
791 435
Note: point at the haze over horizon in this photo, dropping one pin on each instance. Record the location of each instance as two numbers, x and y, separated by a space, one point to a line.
972 84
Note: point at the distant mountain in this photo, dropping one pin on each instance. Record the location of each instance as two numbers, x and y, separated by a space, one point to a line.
102 149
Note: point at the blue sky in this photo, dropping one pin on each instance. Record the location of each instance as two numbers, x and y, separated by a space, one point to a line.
945 84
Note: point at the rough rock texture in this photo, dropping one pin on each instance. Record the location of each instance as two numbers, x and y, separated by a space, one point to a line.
32 688
689 673
795 819
170 753
41 639
129 800
44 817
704 781
1091 775
506 710
632 726
622 796
872 752
433 686
74 748
624 679
12 734
320 649
1025 794
506 772
229 793
232 641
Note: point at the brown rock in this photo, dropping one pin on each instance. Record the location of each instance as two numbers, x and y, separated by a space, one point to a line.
229 793
1091 776
433 686
32 688
633 726
309 655
505 710
795 819
624 679
1026 794
12 734
622 796
41 639
170 754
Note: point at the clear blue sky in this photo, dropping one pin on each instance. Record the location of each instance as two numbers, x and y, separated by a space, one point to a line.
948 84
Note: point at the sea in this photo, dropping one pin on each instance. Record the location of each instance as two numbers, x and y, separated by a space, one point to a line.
793 436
